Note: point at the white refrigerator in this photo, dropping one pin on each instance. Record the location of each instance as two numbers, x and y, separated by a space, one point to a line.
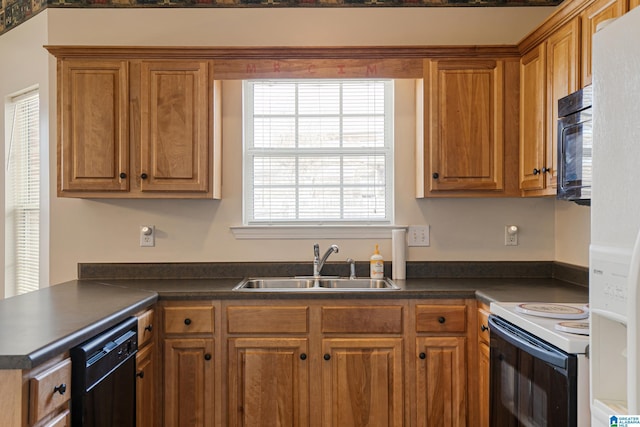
615 220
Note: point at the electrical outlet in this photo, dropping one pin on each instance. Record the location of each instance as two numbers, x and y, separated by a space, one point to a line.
147 235
418 235
510 235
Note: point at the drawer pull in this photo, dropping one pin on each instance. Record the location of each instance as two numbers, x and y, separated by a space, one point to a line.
140 374
484 328
148 328
303 356
441 319
61 389
144 176
123 175
422 356
187 321
207 356
327 356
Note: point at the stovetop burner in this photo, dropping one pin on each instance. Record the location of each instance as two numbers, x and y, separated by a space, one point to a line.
553 311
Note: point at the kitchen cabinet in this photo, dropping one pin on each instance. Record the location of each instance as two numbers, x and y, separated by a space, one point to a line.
468 119
138 128
191 361
146 371
443 351
633 4
483 365
594 14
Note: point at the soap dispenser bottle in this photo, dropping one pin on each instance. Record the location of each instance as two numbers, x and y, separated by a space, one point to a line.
377 265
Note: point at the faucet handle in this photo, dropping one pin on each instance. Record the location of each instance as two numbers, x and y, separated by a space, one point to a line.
352 268
316 250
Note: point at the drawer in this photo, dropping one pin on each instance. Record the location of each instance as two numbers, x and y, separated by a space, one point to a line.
62 420
261 319
362 320
189 320
483 325
145 327
49 390
441 318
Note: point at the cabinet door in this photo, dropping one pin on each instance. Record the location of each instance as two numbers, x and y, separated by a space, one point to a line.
93 118
145 387
362 382
633 4
597 12
464 124
562 79
441 381
483 383
189 382
533 119
175 98
268 382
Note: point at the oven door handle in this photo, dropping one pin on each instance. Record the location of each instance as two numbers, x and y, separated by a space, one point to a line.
528 342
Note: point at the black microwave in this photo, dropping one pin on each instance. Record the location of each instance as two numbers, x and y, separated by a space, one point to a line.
575 144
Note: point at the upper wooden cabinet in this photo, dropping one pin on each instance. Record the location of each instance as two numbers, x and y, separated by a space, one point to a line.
462 151
138 128
595 13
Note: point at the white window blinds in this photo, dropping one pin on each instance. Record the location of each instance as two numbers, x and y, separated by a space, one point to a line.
318 151
23 193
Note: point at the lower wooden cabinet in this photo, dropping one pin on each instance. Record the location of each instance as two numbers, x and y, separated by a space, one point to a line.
145 387
483 365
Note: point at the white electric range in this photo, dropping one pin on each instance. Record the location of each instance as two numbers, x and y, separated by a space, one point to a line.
539 366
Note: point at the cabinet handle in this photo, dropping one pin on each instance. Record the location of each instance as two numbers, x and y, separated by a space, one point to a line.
144 176
536 171
327 356
187 321
441 319
148 328
140 374
123 175
484 328
546 170
422 356
60 389
303 356
435 175
207 356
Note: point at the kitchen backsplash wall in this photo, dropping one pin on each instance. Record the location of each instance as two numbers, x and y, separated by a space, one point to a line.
95 231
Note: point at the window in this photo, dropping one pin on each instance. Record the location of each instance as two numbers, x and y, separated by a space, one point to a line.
318 152
22 195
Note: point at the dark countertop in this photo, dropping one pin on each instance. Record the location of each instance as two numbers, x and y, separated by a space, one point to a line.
37 326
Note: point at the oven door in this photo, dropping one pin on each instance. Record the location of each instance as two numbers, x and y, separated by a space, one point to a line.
532 383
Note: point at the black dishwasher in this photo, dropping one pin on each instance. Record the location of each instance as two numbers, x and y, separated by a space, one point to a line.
103 378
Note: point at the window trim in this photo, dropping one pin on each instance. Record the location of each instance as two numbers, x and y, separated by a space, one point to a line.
289 228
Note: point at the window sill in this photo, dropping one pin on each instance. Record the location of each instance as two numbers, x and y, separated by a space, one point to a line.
314 232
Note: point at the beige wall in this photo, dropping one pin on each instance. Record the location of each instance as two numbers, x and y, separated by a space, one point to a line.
198 230
573 233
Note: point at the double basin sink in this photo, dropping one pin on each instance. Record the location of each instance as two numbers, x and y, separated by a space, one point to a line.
310 284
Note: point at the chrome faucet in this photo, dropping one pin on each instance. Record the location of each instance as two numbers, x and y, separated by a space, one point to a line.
318 262
352 268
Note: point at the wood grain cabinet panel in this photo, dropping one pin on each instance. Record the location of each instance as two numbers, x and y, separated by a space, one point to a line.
50 389
633 4
464 117
533 119
362 382
93 131
441 381
63 419
441 318
268 382
483 365
145 387
594 14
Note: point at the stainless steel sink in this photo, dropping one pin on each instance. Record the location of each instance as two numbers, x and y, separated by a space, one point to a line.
306 284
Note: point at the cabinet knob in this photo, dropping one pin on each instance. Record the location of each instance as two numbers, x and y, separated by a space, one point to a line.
144 176
148 328
60 389
422 356
435 175
327 356
140 374
123 175
484 328
546 170
441 319
187 321
303 356
207 356
536 171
